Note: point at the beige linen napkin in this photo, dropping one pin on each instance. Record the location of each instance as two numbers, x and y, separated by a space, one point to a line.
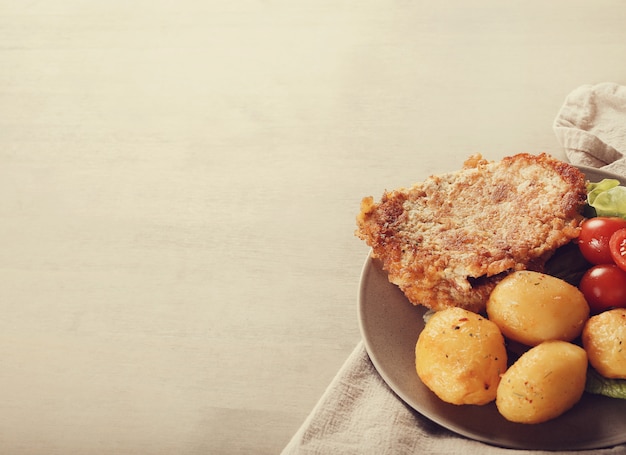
360 414
591 126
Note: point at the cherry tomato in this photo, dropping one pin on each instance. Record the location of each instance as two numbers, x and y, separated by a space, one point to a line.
617 244
594 237
604 287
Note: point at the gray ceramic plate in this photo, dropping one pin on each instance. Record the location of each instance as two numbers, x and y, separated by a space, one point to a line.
390 326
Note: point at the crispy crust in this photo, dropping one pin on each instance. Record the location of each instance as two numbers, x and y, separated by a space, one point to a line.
447 241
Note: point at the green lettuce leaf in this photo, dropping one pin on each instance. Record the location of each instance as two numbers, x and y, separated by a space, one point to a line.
599 385
607 198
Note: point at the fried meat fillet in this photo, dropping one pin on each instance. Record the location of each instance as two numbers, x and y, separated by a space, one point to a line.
448 240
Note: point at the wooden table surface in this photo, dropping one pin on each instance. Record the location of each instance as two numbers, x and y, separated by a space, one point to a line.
179 182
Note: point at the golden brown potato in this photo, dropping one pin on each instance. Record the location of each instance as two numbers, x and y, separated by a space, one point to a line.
460 356
543 383
531 307
604 339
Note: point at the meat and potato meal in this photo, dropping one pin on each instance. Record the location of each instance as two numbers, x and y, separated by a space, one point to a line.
472 246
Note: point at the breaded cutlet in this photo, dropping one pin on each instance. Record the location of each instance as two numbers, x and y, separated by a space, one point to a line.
447 241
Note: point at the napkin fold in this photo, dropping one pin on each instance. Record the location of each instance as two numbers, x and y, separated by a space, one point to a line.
359 414
591 126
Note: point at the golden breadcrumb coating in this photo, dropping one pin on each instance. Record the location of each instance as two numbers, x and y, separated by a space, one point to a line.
448 240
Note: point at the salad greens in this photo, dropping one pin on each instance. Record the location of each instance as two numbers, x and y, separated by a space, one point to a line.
607 198
599 385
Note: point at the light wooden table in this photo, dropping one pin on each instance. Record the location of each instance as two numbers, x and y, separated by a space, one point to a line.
179 181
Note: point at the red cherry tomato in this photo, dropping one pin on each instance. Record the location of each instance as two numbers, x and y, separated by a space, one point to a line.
604 287
617 244
594 237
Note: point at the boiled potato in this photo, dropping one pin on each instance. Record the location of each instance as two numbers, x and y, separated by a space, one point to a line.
531 307
460 356
604 339
543 383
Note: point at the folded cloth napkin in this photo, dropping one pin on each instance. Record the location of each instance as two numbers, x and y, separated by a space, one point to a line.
359 414
591 126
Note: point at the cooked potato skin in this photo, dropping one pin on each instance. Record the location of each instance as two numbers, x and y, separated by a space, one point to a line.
543 383
460 356
532 307
604 339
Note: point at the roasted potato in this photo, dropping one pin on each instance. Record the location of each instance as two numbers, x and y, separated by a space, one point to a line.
604 339
543 383
532 307
460 356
